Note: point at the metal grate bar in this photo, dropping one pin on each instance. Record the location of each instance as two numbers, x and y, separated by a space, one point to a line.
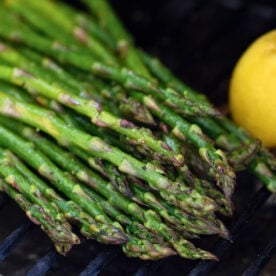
97 265
44 264
147 268
257 265
222 246
13 239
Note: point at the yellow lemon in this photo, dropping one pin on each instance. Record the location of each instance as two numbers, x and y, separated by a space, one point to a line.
252 95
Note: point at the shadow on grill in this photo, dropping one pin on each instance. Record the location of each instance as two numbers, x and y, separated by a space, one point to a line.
218 32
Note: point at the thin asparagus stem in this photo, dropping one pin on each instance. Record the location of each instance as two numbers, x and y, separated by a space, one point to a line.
89 227
90 108
32 115
108 19
48 170
226 134
38 216
182 129
149 218
60 26
86 62
182 246
65 160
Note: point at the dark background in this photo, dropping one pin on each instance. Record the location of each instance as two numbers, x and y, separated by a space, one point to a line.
200 41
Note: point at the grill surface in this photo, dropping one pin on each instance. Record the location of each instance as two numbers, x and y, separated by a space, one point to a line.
200 41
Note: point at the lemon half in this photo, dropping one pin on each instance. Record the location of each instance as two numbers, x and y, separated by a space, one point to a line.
252 94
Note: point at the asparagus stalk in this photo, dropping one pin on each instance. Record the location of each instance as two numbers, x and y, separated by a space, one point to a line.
60 26
26 79
138 234
16 180
63 183
86 62
90 228
65 160
226 134
109 20
182 246
146 250
38 216
182 129
43 67
90 24
101 8
14 30
15 92
33 115
148 217
92 109
31 191
193 224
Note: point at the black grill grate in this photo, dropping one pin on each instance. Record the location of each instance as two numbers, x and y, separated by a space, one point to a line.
43 265
221 247
13 239
105 257
262 259
201 41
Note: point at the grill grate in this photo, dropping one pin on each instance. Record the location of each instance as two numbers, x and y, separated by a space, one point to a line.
97 265
206 63
263 258
107 255
13 239
44 264
221 247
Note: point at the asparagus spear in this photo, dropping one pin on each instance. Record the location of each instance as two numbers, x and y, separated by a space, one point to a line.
109 20
43 67
100 117
88 23
14 30
182 246
60 26
86 62
92 109
146 250
15 92
90 228
211 126
31 191
47 169
52 125
226 134
101 8
148 217
65 160
182 129
16 180
38 216
193 224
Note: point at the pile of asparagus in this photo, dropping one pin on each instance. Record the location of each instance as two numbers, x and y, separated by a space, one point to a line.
98 134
